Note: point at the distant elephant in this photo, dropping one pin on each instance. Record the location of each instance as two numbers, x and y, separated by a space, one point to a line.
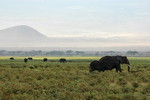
111 62
62 60
25 60
45 60
12 58
30 58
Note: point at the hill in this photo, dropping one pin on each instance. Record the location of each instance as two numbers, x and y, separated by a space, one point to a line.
21 36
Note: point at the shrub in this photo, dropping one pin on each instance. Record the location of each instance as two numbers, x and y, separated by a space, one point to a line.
135 84
121 81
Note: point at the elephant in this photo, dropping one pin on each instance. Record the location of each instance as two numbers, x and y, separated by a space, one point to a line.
95 65
12 58
111 62
25 60
45 60
62 60
30 58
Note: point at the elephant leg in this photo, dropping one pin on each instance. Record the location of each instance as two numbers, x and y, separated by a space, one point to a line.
102 70
118 68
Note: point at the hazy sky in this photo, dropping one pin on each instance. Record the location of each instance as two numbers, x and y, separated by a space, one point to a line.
81 18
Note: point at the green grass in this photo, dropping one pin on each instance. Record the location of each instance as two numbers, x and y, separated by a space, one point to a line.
37 80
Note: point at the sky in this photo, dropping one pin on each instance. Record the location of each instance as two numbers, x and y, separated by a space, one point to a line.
123 20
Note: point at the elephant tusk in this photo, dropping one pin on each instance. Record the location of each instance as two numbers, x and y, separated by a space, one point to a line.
129 66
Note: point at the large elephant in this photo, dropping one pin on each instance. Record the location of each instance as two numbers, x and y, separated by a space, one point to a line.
111 62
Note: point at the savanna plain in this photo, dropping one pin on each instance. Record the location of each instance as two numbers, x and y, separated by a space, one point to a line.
52 80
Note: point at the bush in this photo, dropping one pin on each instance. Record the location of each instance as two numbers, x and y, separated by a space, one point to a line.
135 84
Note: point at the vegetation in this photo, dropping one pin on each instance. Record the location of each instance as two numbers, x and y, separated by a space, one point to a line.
37 80
73 53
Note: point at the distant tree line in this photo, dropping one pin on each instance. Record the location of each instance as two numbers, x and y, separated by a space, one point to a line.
41 53
72 53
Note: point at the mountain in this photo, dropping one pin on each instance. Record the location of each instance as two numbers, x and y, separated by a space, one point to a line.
21 32
26 37
21 36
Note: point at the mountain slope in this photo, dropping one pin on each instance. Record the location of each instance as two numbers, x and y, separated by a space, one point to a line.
21 31
21 34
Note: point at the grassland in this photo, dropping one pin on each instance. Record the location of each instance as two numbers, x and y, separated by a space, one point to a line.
37 80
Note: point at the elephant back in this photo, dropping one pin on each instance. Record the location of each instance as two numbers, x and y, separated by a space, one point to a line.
108 62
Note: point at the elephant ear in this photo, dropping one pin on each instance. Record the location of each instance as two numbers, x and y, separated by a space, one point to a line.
125 60
119 59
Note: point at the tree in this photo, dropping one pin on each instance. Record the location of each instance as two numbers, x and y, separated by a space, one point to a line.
69 52
132 53
79 52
